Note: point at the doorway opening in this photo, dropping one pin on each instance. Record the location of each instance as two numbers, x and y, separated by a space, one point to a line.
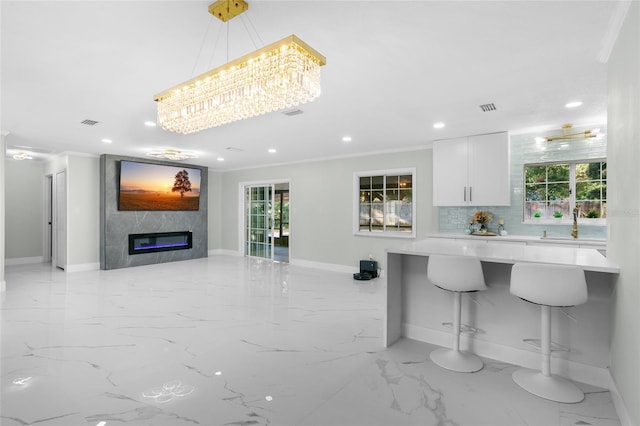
266 221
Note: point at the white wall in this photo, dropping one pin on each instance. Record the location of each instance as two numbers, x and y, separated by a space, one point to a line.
321 197
3 148
623 157
215 211
24 209
83 212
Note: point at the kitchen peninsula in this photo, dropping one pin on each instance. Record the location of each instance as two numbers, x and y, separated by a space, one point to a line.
499 325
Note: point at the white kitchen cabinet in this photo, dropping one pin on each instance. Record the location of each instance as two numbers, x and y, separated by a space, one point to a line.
472 171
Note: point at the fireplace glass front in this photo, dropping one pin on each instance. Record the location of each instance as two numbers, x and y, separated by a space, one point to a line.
159 241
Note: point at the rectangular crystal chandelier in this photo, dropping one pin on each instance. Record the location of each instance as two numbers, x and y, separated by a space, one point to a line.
278 76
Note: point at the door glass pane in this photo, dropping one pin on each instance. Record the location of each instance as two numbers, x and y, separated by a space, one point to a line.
285 214
258 218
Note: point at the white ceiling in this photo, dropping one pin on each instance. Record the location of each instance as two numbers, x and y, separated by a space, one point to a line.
393 69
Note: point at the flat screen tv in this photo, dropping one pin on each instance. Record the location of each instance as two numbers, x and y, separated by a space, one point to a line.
148 186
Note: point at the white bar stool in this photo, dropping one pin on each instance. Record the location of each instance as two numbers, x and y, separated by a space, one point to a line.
548 285
457 274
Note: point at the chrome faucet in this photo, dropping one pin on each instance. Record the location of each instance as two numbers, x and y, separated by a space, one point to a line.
574 232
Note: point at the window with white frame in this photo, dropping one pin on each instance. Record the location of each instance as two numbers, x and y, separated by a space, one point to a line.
553 190
385 203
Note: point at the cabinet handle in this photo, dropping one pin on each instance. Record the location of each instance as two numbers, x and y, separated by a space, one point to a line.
470 194
465 194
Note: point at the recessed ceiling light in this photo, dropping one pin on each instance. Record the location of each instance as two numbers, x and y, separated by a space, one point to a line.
220 159
272 151
573 104
346 139
150 123
105 140
438 125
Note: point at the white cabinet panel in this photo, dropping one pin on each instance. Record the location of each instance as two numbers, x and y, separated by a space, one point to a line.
489 171
450 172
472 171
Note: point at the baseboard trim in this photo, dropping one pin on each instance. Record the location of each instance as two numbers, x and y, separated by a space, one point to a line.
297 262
224 252
588 374
23 260
81 267
324 266
618 402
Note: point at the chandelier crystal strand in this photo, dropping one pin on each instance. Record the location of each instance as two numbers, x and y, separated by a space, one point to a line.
279 76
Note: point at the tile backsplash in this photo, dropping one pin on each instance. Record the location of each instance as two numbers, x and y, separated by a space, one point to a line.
526 150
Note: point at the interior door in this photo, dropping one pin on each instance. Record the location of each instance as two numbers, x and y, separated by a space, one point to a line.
60 220
259 201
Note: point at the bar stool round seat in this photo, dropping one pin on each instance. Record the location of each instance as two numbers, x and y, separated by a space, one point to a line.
548 286
456 274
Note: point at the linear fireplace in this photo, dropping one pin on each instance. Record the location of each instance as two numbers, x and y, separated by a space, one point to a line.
160 241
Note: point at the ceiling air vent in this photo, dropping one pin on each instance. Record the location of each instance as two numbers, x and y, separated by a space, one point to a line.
88 122
487 107
234 149
292 112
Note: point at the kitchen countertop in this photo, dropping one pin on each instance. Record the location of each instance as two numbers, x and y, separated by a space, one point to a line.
589 259
525 238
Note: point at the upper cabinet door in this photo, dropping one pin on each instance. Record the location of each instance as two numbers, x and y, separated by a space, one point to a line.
472 171
489 170
450 172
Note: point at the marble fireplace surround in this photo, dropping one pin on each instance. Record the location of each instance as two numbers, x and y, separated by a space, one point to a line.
116 225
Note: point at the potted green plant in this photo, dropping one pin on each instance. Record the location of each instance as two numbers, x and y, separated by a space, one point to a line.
593 214
557 214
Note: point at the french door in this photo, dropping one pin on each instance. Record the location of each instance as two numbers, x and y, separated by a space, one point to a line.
259 201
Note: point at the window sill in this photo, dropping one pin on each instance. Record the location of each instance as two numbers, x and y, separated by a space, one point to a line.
402 235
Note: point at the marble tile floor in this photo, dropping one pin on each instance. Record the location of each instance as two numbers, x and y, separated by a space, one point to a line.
237 341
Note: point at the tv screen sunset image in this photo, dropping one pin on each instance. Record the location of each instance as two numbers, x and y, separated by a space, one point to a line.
145 186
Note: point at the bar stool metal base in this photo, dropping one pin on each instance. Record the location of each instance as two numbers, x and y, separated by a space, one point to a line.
461 362
548 387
